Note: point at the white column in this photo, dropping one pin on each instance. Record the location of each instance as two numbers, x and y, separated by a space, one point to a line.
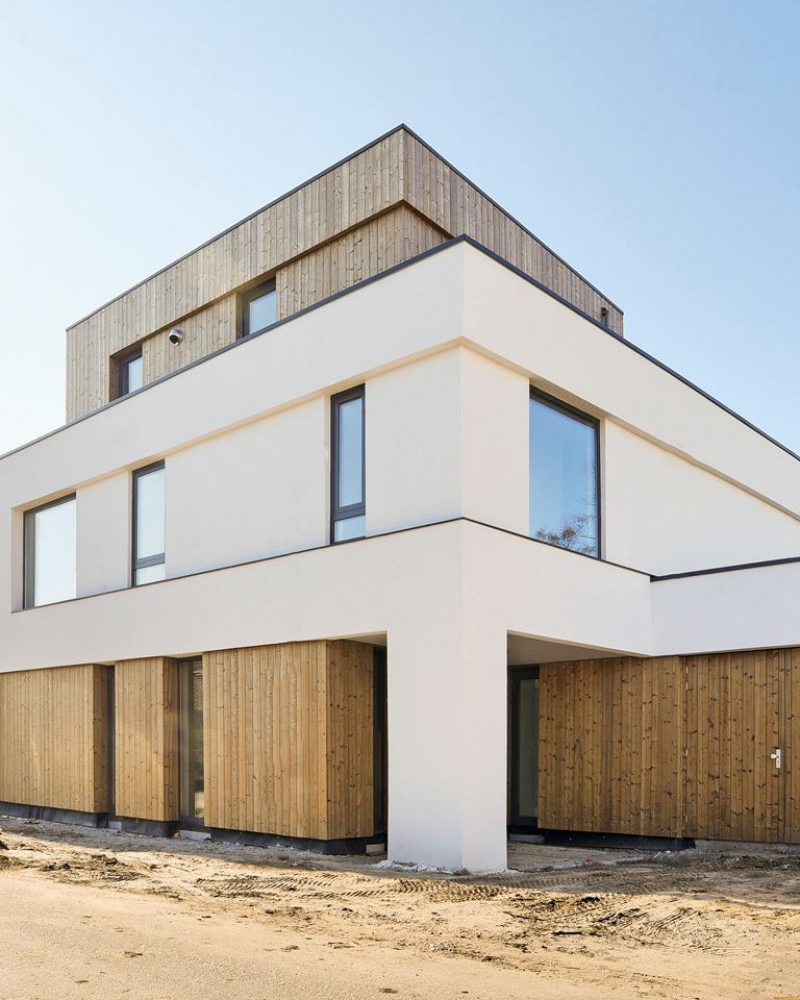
447 742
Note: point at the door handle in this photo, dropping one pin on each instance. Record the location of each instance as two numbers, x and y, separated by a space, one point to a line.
776 756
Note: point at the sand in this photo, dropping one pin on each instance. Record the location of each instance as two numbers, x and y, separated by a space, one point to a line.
86 913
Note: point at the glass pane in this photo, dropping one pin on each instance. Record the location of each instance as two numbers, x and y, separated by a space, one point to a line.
563 479
352 527
150 514
351 457
191 763
54 556
135 371
528 737
150 574
263 312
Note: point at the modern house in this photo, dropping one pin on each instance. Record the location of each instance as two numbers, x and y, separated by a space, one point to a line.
369 526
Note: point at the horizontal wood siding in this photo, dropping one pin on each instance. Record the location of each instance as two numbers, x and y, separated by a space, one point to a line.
53 738
384 205
288 746
146 739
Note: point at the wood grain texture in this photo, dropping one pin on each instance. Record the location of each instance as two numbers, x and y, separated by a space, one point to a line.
288 746
611 746
146 744
384 205
54 738
453 204
673 746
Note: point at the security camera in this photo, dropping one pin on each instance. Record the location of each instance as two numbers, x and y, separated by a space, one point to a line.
175 336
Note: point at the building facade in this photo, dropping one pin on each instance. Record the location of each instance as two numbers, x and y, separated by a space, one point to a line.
369 525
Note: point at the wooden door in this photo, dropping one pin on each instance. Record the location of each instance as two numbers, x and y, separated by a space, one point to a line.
733 725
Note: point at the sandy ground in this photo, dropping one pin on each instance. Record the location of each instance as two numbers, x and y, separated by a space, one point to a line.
87 913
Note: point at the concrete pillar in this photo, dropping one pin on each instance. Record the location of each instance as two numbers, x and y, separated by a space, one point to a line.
447 742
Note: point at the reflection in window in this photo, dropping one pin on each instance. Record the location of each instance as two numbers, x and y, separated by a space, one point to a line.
149 524
564 494
260 308
51 553
347 435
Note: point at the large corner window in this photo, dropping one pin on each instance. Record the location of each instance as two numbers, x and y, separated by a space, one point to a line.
50 553
131 372
348 506
149 524
259 308
564 476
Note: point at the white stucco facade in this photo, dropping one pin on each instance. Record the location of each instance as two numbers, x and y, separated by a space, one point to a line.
447 348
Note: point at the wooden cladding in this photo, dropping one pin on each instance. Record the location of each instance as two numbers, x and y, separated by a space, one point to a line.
146 778
384 205
376 246
54 738
673 746
289 731
453 204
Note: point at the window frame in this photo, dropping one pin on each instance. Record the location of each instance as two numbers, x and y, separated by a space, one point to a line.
264 288
339 513
594 422
160 559
123 386
29 551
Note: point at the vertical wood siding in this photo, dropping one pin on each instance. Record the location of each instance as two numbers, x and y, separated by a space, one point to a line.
53 738
673 746
384 205
456 206
146 739
288 745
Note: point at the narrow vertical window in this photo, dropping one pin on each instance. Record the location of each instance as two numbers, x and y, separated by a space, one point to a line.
564 476
348 507
50 553
131 372
149 524
260 309
191 752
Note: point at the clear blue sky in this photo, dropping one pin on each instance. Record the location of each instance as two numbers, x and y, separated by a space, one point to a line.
654 145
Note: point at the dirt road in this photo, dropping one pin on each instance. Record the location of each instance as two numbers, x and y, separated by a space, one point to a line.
85 913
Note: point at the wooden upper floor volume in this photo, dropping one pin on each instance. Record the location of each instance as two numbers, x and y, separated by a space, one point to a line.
385 204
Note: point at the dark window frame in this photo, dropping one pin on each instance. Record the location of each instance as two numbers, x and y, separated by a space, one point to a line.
188 816
593 422
123 387
264 288
519 822
29 548
339 513
160 558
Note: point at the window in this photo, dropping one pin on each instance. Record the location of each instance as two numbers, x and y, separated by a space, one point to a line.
260 308
50 553
149 528
192 784
348 510
564 476
130 372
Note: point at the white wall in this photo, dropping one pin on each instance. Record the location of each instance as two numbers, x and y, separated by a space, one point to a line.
258 490
104 535
665 515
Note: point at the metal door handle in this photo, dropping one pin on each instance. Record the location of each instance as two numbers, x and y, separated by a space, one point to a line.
776 756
